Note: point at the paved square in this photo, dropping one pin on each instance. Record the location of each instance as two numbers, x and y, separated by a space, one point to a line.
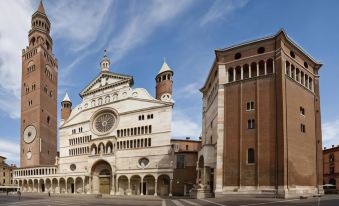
31 199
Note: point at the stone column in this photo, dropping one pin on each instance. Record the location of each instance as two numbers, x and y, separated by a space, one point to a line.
234 74
242 73
59 186
273 66
265 68
142 185
226 75
171 183
83 185
113 186
249 71
90 179
116 185
257 66
156 187
129 192
66 185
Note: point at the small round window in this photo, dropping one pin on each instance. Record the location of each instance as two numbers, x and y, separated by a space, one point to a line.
143 162
73 167
237 55
261 50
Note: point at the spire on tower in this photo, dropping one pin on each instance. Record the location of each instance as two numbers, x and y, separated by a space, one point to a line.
105 62
165 67
41 8
66 98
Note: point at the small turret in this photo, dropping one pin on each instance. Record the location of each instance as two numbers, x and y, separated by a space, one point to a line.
66 108
164 83
104 64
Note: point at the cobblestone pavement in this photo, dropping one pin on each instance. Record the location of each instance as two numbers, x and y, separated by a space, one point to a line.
31 199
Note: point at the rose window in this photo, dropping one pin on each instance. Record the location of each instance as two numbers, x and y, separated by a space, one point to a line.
104 122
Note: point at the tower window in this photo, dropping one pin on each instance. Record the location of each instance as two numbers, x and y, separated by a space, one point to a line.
302 110
251 124
250 106
302 128
250 156
305 64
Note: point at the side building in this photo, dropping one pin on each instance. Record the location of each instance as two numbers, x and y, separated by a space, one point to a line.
6 172
331 167
185 165
261 127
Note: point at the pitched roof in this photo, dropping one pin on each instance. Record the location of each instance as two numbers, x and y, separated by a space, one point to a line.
41 8
66 98
165 68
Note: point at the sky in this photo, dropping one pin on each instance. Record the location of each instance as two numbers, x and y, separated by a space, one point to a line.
138 35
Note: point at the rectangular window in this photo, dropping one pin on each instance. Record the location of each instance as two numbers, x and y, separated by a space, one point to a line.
302 111
251 124
302 128
250 106
180 161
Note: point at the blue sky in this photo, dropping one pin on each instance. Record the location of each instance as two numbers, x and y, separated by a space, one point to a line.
139 34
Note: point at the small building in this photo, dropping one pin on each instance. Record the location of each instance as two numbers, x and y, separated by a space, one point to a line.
331 166
185 164
6 172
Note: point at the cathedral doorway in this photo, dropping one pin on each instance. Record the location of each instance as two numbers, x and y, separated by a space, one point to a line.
102 177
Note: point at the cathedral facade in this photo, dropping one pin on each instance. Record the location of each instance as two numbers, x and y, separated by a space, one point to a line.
116 141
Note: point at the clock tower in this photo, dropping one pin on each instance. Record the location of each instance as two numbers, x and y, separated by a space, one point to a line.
38 143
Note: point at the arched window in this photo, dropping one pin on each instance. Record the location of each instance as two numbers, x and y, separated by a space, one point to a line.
250 156
262 67
230 75
254 69
246 71
238 73
292 54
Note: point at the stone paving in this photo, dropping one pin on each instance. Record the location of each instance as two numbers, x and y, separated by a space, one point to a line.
35 199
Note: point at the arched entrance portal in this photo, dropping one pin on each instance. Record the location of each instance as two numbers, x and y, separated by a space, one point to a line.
102 177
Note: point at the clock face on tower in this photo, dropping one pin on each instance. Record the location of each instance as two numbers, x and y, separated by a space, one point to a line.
29 134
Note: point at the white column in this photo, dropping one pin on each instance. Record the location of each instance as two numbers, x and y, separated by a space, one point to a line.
227 75
142 186
257 66
234 74
242 73
273 66
290 70
156 187
265 68
83 185
129 186
171 183
249 71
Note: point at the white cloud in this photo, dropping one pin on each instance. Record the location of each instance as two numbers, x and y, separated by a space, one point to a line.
144 19
13 38
184 126
220 9
79 23
330 133
10 150
189 91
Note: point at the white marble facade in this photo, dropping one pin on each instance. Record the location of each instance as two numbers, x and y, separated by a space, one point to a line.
116 141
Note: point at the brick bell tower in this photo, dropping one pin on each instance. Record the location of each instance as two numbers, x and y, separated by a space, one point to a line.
164 83
38 143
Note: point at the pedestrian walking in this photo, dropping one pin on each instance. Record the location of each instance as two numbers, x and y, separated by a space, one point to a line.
49 194
19 194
